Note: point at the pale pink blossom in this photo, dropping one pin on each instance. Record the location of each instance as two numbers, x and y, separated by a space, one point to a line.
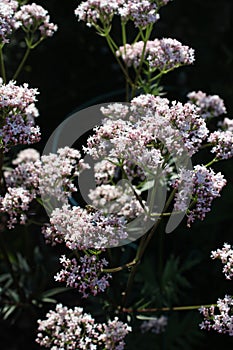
221 322
15 203
206 185
226 256
222 142
119 200
84 274
26 155
74 329
16 104
226 124
8 22
141 12
81 229
34 17
50 176
208 105
161 54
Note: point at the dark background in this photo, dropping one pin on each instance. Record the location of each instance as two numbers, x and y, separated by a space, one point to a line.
75 69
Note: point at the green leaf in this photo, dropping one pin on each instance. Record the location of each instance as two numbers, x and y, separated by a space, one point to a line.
8 311
143 317
4 277
147 185
23 265
49 300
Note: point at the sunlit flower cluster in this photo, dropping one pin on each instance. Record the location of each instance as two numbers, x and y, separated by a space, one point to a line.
17 112
226 256
118 200
74 329
226 124
50 177
84 275
7 19
192 128
80 229
208 105
162 54
204 185
15 202
26 155
141 12
221 322
34 17
223 143
139 139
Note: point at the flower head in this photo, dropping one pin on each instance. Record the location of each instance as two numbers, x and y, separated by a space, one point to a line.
27 155
80 229
222 142
34 17
85 275
140 12
221 322
208 105
15 202
17 111
205 185
8 22
74 329
226 256
161 54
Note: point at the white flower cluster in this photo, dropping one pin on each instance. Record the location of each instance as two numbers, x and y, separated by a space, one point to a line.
204 185
208 105
141 12
116 199
34 17
50 177
80 229
221 322
17 110
162 54
73 329
226 256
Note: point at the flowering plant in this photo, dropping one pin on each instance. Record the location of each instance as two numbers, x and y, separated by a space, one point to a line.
144 186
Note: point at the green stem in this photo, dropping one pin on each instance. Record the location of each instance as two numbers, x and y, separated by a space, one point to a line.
158 76
113 47
175 308
120 268
124 41
22 63
132 188
145 240
211 162
137 37
145 39
3 71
